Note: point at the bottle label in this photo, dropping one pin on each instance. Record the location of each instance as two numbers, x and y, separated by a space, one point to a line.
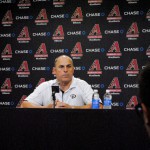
95 104
107 102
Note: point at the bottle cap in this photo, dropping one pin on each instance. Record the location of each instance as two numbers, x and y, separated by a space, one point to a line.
95 90
107 91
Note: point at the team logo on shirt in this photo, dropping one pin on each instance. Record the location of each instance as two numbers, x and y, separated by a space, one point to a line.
114 51
7 19
133 32
114 15
6 87
7 52
77 16
73 96
77 52
132 103
133 69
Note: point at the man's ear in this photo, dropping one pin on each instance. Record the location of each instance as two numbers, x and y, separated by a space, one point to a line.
54 70
146 114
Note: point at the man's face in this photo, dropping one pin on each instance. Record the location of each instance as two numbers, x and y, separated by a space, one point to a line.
64 69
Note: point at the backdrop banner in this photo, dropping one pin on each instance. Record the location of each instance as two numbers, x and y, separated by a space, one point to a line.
107 40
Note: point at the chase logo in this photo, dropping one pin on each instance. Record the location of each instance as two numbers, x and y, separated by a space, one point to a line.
41 34
76 33
80 68
41 68
98 86
7 1
73 96
60 16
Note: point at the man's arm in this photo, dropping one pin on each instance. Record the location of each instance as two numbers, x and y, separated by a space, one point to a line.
26 104
64 105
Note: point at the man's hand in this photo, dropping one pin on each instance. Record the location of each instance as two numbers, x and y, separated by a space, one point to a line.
62 105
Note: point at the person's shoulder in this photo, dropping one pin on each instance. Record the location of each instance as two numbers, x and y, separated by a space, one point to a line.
80 81
47 83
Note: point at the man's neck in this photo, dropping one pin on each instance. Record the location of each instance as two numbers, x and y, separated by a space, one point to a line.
65 85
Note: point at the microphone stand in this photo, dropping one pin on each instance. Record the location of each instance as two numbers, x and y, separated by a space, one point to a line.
54 98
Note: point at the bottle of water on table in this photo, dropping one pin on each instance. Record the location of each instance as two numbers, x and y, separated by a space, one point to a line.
107 100
95 100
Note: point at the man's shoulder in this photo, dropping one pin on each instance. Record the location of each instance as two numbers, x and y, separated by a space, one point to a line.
48 83
80 81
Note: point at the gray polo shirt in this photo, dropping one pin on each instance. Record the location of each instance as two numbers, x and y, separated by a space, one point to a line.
78 94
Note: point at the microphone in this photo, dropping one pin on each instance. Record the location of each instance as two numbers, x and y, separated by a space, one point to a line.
55 89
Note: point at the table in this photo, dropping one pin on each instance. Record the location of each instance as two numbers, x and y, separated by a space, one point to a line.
52 129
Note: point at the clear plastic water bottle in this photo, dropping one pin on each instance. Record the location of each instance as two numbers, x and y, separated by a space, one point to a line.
107 100
95 100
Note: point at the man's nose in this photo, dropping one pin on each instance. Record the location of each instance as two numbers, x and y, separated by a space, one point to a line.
65 69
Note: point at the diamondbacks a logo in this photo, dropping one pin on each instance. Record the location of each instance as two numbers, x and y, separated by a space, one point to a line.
58 3
133 31
6 87
40 81
95 33
95 2
58 35
114 51
24 4
21 100
114 15
77 52
23 69
24 36
7 52
41 53
77 16
148 15
7 19
114 86
133 69
42 18
148 52
95 69
132 103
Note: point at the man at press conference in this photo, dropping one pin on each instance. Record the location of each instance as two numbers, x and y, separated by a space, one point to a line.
73 92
